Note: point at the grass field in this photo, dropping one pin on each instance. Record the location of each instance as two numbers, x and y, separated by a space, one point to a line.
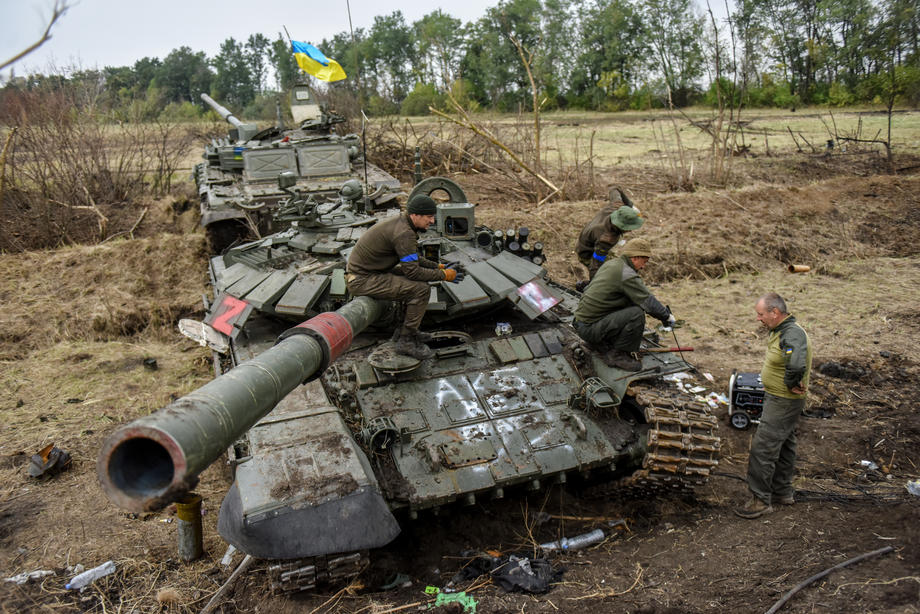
79 323
628 136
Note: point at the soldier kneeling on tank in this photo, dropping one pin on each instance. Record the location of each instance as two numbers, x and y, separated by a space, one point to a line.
604 231
385 264
611 313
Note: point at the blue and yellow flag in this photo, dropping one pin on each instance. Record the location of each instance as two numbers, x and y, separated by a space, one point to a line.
312 61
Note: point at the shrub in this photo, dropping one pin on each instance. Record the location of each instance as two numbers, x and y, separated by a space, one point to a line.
420 98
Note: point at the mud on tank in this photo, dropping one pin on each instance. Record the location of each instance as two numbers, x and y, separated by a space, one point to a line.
336 441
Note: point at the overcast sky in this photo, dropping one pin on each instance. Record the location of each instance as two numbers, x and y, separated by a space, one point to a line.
99 33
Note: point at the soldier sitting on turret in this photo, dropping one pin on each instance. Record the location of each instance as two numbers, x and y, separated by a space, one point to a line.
604 231
385 264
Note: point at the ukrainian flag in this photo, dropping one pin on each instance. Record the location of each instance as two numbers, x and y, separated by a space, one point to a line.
312 61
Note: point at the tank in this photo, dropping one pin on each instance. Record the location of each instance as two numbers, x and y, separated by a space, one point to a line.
337 442
237 181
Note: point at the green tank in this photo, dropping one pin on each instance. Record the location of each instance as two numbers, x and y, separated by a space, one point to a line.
337 442
237 181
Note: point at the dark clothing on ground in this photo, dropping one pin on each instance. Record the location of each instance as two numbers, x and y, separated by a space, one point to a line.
596 240
385 264
611 313
771 463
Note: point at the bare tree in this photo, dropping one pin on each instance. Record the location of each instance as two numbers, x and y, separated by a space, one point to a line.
60 7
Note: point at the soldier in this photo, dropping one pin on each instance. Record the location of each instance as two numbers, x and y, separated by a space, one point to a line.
604 231
385 264
785 374
611 313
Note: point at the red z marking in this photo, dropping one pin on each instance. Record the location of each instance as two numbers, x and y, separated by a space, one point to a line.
232 307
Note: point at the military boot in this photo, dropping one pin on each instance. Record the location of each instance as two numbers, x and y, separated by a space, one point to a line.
754 508
409 344
621 360
784 500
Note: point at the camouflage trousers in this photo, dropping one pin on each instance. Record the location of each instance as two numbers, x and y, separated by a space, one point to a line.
390 287
619 330
771 463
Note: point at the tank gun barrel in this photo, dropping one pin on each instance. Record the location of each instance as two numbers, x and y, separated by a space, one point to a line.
146 464
221 110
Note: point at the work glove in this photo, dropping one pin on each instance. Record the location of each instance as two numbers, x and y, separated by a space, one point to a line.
670 321
453 275
452 265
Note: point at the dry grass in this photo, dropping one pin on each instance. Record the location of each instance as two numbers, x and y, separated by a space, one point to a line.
100 292
709 234
627 137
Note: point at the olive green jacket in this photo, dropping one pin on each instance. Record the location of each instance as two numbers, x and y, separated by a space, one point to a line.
616 286
596 239
788 360
391 246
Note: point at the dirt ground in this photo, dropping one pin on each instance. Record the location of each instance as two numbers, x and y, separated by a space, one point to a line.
80 325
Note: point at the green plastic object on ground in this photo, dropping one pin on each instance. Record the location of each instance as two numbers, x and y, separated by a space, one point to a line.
467 601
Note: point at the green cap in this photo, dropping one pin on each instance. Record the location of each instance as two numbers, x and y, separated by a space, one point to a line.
637 247
422 205
626 218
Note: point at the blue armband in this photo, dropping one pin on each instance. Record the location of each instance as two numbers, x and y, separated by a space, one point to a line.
409 258
598 257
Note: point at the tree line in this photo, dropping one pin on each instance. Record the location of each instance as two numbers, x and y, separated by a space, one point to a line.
594 54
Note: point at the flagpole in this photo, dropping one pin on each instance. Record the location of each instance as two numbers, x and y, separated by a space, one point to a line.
291 43
354 46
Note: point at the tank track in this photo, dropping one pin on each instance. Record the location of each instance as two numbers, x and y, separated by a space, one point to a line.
682 446
304 574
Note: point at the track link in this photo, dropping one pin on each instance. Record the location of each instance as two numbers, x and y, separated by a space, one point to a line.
304 574
682 446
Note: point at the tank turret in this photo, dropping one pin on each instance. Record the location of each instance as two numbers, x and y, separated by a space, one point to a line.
237 183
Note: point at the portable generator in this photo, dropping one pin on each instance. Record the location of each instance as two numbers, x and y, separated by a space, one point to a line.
745 396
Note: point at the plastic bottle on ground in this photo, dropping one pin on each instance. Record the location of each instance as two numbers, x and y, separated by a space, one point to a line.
576 543
90 575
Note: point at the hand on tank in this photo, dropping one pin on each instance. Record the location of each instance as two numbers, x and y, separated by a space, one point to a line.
453 275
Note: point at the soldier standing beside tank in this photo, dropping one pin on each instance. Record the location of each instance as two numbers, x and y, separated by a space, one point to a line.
785 373
611 313
385 264
604 231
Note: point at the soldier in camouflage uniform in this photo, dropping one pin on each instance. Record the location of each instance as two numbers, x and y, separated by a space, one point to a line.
604 231
785 374
385 264
611 313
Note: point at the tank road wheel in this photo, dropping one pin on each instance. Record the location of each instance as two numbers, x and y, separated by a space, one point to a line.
740 419
433 184
225 233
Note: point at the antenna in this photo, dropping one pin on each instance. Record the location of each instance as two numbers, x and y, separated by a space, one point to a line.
364 146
